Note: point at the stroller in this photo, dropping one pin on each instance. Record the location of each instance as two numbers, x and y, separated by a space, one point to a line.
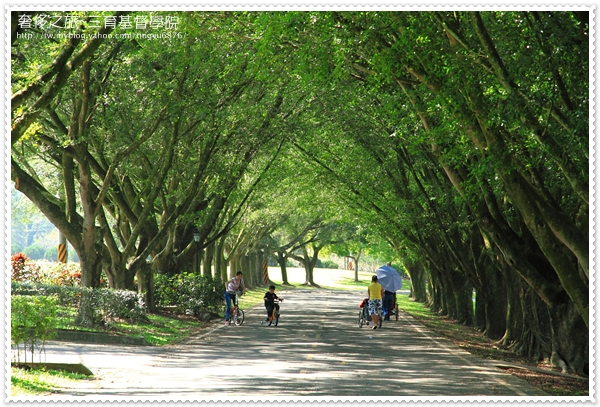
363 315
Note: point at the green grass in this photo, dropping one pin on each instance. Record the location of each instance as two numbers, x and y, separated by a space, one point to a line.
65 318
424 315
31 382
160 330
415 309
255 296
350 284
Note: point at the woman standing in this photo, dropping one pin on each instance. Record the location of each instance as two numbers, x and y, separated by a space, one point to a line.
375 291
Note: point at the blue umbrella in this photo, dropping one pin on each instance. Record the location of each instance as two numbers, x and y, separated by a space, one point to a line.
389 278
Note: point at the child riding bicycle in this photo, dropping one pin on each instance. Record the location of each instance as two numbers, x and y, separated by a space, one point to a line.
270 303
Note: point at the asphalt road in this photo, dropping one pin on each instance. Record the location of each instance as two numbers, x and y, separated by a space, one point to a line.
317 351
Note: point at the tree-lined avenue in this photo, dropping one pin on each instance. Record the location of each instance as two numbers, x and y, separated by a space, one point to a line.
454 143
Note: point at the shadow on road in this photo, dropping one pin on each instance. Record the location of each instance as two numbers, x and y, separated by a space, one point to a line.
317 350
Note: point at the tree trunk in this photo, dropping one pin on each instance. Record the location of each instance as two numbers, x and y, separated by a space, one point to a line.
495 303
309 274
86 315
246 268
145 279
563 262
209 254
463 298
514 312
481 302
436 303
281 260
418 280
570 340
252 269
234 264
309 264
220 262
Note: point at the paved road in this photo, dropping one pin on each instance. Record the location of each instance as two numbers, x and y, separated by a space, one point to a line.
318 350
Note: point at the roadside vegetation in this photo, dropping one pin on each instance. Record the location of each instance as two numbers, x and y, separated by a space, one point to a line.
38 382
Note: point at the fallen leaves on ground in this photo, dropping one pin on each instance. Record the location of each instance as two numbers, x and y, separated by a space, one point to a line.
475 343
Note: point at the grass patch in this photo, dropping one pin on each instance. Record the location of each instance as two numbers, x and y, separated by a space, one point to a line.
348 284
65 317
255 296
31 382
419 311
161 329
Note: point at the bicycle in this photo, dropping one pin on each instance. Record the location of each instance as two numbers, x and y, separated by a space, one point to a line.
236 314
274 317
364 317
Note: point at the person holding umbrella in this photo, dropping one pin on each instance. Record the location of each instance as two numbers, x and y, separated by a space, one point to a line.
391 281
388 304
375 291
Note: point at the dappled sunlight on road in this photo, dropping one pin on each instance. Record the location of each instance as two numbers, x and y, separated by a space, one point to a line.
317 350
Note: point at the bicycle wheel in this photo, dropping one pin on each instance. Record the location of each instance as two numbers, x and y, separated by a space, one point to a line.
239 318
360 319
275 319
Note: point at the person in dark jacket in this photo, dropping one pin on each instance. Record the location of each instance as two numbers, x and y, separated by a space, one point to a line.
388 304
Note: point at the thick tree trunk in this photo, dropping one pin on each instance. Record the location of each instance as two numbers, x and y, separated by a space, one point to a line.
209 254
309 264
463 298
547 226
246 268
495 303
418 280
254 269
309 274
281 260
90 252
570 340
234 264
220 262
563 263
516 289
437 301
145 279
86 315
115 278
